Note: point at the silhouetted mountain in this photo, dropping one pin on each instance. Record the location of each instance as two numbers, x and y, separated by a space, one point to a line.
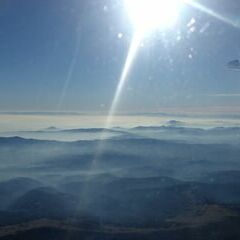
128 186
222 177
12 189
91 130
44 203
174 123
52 128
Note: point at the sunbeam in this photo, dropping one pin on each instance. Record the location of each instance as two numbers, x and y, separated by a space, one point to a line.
133 49
213 13
69 73
132 52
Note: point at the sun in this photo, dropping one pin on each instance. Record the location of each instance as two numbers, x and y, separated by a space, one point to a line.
148 15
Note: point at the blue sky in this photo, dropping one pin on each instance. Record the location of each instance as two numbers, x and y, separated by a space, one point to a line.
65 55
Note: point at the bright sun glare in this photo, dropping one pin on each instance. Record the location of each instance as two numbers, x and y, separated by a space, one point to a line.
147 15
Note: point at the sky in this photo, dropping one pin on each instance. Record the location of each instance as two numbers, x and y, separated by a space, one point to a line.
68 55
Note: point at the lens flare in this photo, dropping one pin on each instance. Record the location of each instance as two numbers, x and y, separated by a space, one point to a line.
146 15
214 13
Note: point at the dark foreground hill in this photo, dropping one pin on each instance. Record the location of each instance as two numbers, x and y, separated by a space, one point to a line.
51 229
121 188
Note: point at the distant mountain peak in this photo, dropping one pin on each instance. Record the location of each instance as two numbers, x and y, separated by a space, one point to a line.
174 123
51 128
